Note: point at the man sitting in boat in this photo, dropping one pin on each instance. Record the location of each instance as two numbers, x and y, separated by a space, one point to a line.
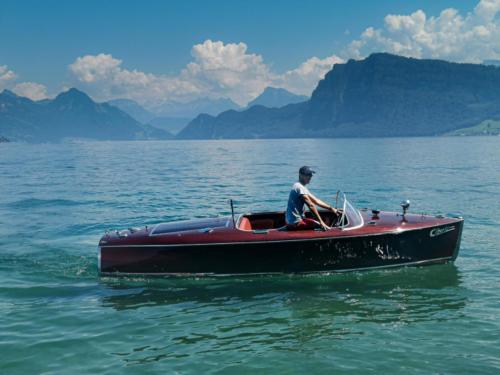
300 196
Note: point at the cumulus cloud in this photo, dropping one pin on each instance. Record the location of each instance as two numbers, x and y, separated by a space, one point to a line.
228 70
104 77
94 68
473 37
304 79
6 76
32 90
217 70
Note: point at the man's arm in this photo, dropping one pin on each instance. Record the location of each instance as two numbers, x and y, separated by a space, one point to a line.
309 202
320 203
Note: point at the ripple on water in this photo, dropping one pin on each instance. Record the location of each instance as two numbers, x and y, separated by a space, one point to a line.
32 203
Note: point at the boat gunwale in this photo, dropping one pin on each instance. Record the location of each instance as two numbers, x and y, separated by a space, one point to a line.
397 231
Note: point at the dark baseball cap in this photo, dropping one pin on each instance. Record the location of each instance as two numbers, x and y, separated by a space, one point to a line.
306 171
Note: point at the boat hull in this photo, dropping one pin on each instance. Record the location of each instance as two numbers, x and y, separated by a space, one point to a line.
439 244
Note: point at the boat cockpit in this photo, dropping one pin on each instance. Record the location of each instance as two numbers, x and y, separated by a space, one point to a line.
348 218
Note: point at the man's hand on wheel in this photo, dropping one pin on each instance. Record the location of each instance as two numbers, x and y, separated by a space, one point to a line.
334 210
325 227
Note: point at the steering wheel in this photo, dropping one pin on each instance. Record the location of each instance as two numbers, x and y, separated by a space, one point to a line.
340 218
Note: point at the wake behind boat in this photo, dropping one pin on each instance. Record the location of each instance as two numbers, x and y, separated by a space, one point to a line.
260 243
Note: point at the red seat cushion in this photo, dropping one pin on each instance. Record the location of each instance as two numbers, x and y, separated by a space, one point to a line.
245 224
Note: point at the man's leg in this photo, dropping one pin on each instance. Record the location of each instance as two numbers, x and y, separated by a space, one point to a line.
304 224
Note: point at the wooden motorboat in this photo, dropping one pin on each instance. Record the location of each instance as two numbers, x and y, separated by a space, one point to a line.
259 243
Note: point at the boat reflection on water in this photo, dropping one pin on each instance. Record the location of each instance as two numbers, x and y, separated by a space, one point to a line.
403 295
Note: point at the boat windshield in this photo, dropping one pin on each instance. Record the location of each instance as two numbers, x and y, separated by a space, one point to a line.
351 217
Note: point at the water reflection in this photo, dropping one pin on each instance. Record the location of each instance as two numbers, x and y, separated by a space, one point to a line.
411 294
287 313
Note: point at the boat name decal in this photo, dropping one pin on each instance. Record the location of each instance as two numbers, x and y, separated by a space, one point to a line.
439 231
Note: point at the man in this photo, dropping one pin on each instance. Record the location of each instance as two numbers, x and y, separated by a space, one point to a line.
300 196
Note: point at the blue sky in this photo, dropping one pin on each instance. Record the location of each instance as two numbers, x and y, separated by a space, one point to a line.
41 40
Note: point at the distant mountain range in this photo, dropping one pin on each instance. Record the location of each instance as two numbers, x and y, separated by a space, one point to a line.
273 97
173 116
134 109
72 114
381 96
171 124
194 108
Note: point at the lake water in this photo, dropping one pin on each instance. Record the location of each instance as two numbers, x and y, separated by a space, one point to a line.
58 316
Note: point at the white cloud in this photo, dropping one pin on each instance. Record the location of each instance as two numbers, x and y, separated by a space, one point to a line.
228 70
217 70
32 90
94 68
304 79
451 36
104 78
6 76
487 9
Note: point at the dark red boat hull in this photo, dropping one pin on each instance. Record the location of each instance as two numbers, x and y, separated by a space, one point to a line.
351 251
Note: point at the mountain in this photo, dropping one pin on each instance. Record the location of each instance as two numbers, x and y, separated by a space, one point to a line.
276 97
487 127
194 108
383 95
256 122
171 124
388 95
72 114
133 108
492 62
172 116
